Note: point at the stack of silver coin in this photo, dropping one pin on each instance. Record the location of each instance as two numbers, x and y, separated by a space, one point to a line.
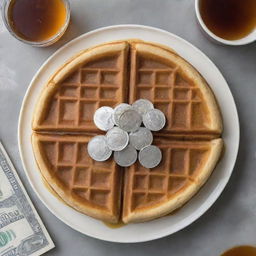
126 136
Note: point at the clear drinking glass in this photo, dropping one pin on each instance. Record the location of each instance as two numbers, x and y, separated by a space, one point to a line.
51 40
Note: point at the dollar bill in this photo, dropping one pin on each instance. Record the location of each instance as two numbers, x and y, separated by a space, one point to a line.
22 232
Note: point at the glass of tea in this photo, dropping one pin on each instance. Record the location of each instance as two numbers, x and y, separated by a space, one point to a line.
36 22
231 22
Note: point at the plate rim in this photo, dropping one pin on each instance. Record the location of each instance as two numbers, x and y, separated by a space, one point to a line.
186 222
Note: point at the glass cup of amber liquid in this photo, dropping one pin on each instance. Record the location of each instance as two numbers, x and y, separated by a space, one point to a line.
230 22
36 22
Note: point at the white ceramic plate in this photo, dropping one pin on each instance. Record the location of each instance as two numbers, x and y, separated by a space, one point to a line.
165 225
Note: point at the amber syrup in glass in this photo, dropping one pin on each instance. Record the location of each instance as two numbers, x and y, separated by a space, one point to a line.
229 19
241 251
37 20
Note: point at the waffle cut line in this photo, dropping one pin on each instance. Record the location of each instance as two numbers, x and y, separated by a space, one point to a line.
108 75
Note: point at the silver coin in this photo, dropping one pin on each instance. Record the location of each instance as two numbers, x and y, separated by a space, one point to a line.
130 120
154 120
141 138
150 156
103 118
98 148
142 106
118 110
117 139
126 157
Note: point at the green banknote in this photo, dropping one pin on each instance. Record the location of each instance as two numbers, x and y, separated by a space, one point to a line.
22 232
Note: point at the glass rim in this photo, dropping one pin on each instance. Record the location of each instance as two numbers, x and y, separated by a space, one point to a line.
51 40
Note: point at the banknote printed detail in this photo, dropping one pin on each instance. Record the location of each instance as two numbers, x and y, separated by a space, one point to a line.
22 232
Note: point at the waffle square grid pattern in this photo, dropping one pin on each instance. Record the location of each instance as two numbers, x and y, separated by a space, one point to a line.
178 169
89 89
166 88
89 179
164 96
91 86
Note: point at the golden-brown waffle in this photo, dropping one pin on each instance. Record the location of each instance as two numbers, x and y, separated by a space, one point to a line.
98 77
185 166
95 78
174 87
88 186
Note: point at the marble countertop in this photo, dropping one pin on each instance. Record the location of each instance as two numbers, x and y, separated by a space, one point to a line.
231 220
